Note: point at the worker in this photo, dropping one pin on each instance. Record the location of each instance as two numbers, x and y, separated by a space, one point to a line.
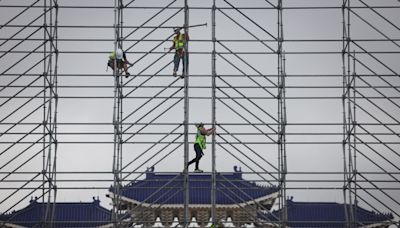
200 144
122 61
179 43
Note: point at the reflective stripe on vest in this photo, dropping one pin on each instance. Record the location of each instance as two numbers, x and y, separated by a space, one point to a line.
180 42
200 139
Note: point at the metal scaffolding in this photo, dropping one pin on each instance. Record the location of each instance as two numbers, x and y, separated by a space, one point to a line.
29 108
269 75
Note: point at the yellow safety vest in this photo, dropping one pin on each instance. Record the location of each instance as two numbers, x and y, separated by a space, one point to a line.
112 56
179 42
200 139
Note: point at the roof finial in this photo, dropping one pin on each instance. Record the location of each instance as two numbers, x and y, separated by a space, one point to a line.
150 169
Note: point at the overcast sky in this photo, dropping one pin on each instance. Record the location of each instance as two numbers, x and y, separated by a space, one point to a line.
318 151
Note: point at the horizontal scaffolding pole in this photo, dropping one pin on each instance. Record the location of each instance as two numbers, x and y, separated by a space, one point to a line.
288 188
209 75
210 8
201 98
219 123
175 173
231 133
80 86
204 180
360 53
217 143
205 40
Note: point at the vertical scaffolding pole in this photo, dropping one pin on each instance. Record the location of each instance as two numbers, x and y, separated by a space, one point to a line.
344 97
282 121
117 118
354 146
53 171
50 99
349 122
213 119
186 120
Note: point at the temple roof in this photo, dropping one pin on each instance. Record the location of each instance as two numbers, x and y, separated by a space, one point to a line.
325 214
167 189
89 214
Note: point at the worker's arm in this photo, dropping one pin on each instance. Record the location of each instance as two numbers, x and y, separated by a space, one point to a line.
207 131
126 59
210 131
187 35
203 131
173 46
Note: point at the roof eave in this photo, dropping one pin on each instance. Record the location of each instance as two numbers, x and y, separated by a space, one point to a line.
379 224
262 200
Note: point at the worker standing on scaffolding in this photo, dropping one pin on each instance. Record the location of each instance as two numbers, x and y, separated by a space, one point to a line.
200 144
120 58
179 43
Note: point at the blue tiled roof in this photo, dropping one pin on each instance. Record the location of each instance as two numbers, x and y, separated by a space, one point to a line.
168 189
66 215
325 214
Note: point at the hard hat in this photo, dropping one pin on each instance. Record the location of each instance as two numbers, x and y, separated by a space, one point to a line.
177 29
119 53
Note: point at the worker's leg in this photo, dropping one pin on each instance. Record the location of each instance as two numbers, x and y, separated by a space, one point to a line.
126 69
199 154
177 59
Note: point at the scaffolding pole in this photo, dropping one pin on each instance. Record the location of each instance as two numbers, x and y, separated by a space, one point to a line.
117 117
368 134
213 118
186 212
50 104
349 121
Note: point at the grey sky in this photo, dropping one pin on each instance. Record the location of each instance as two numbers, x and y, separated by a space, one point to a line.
90 70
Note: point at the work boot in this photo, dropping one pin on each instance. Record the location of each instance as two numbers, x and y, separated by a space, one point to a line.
127 74
174 73
182 76
198 171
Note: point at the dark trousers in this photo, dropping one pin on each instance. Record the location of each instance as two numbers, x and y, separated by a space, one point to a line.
199 154
177 60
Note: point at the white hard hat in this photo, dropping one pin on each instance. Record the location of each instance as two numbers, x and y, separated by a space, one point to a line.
177 29
119 53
